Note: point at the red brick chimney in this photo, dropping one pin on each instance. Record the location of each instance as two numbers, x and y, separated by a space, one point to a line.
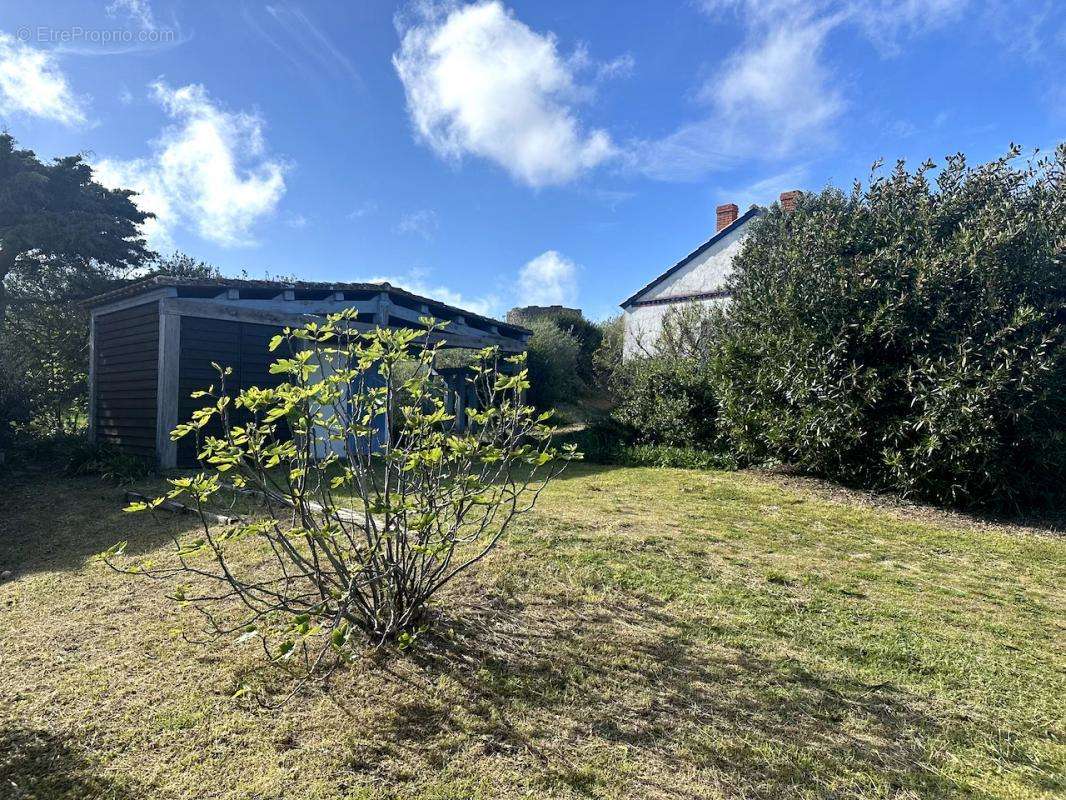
727 215
790 199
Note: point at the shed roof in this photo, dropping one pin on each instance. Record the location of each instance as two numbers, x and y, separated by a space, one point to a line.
740 221
197 285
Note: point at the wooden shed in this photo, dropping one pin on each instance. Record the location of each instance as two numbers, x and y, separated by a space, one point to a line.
152 344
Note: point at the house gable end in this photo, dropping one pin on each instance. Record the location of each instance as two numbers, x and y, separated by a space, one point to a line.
681 282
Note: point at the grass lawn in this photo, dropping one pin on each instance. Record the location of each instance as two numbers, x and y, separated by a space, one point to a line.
646 633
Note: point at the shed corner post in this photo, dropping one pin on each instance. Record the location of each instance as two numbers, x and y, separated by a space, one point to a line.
167 391
92 377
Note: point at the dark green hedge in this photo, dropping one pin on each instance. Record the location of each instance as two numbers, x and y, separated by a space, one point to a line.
666 400
908 335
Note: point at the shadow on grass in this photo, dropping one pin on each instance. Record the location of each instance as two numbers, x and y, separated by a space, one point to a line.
42 765
564 688
54 523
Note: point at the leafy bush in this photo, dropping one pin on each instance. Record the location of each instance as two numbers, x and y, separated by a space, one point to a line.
83 458
647 455
553 359
909 335
691 331
666 400
562 355
607 357
609 442
16 407
600 442
362 527
589 336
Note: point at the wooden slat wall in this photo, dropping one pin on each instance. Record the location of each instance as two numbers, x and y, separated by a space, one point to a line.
241 345
126 350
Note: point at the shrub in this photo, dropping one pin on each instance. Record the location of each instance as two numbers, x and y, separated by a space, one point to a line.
83 458
909 335
692 332
600 442
666 400
607 357
361 528
589 337
553 358
16 408
647 455
608 442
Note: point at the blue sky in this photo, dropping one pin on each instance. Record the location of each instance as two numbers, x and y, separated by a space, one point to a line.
495 154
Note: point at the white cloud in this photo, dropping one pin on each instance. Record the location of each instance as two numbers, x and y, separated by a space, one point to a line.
32 84
778 81
419 282
422 223
480 82
777 96
770 99
139 11
1034 30
621 67
885 22
363 209
209 171
549 279
304 44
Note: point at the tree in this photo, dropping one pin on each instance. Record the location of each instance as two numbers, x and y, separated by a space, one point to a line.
361 528
46 345
56 216
909 335
182 265
63 238
562 353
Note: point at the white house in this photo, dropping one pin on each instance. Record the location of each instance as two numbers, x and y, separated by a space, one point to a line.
699 278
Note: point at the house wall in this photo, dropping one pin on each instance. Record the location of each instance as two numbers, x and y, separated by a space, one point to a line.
706 273
644 324
125 369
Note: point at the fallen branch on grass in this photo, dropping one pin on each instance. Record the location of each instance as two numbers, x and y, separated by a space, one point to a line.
175 507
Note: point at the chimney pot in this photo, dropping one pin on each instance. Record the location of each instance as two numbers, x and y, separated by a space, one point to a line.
790 199
727 215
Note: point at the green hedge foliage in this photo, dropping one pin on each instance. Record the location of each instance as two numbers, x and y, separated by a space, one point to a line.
666 400
908 335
